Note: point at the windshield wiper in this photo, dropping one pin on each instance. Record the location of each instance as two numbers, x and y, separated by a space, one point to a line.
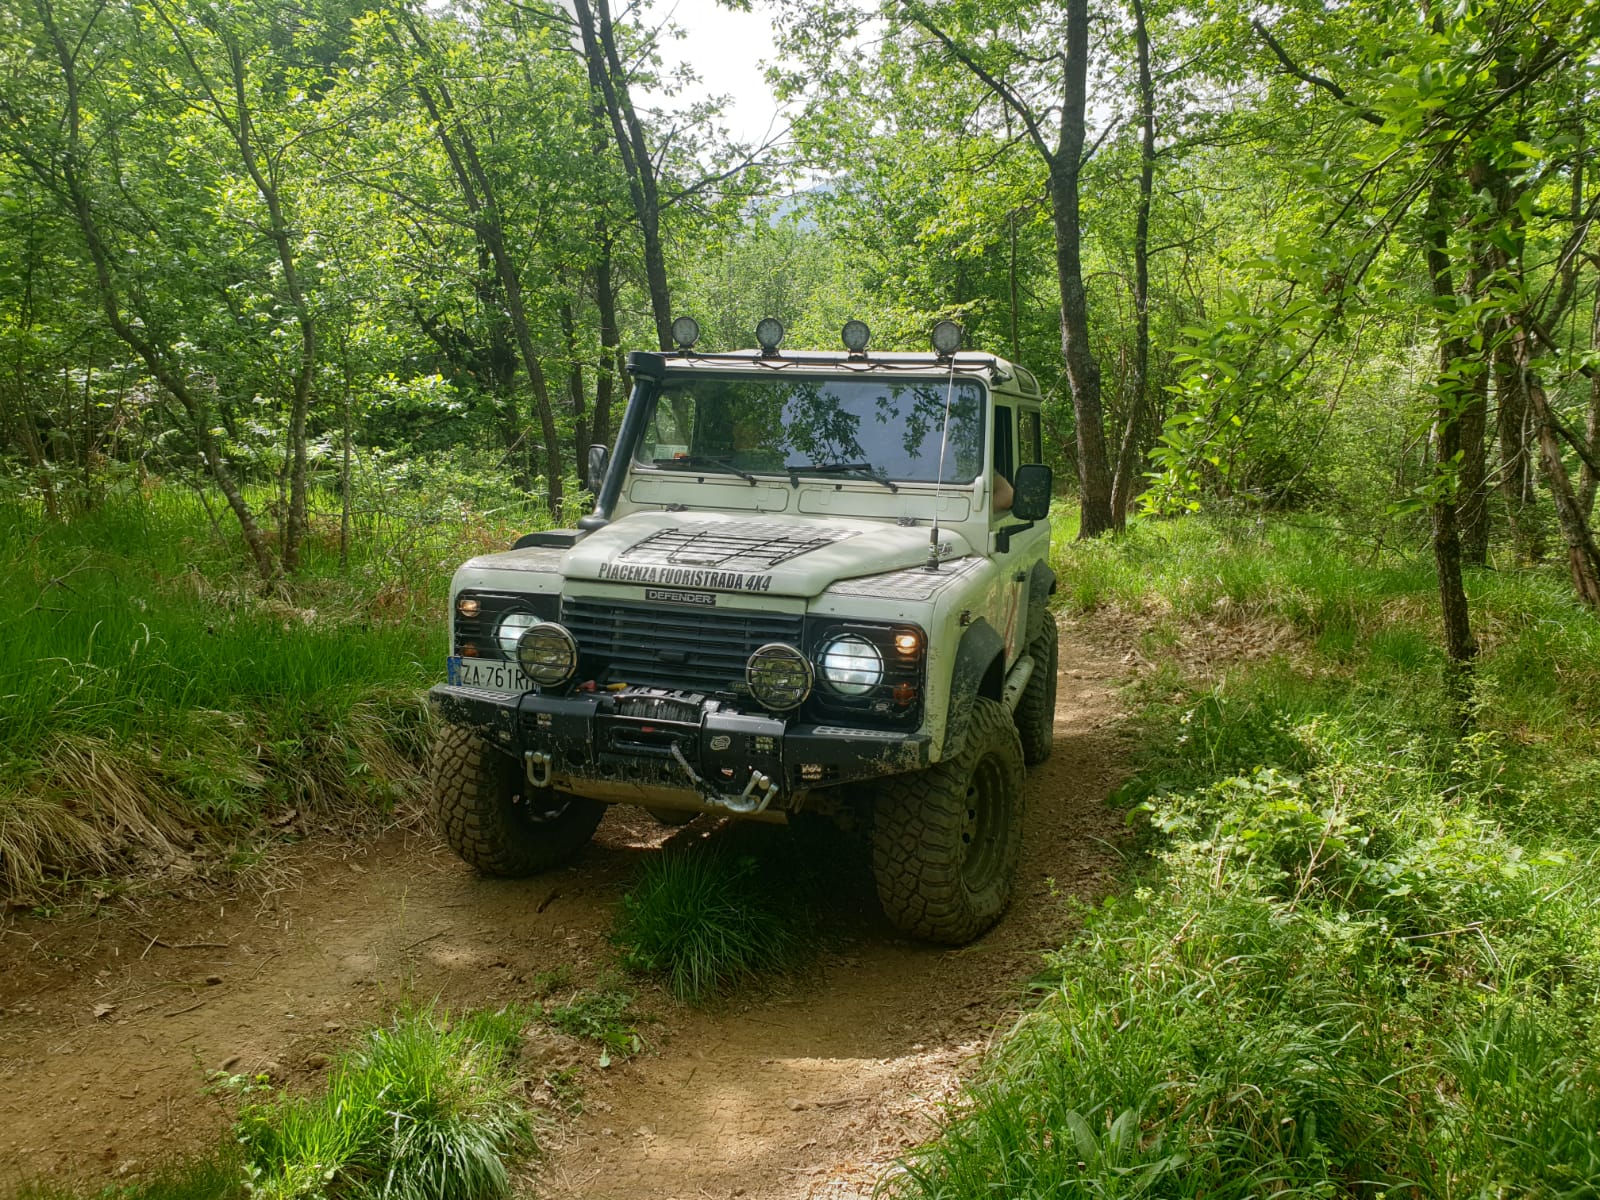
858 470
702 461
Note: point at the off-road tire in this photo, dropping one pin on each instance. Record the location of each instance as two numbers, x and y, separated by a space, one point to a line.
946 840
488 814
1036 710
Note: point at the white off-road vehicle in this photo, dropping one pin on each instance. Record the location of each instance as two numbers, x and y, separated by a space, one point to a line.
814 586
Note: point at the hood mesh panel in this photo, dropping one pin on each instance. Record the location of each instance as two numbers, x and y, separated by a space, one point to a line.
730 545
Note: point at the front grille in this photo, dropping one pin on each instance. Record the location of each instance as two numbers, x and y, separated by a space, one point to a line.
695 649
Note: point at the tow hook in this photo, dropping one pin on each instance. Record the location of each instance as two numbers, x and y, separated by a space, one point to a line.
745 803
748 801
537 765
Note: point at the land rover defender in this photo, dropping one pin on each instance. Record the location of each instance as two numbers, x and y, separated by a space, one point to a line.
814 586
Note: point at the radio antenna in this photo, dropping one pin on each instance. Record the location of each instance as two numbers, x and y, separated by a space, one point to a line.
938 489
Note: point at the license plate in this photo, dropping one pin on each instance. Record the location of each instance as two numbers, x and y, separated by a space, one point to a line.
486 675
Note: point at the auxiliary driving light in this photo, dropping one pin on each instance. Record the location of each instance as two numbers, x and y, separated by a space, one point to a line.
856 335
852 665
947 338
468 606
779 676
907 642
769 333
685 332
547 654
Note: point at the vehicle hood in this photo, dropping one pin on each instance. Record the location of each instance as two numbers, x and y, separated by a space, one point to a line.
756 555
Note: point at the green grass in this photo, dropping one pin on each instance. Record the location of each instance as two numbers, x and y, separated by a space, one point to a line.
1364 956
152 687
216 1176
426 1108
709 919
603 1017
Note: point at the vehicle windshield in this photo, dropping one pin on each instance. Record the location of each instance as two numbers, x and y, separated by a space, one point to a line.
873 425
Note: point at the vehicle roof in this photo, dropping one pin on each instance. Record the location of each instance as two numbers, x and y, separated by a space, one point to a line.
966 362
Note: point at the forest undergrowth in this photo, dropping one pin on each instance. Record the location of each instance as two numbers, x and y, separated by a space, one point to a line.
1362 956
161 704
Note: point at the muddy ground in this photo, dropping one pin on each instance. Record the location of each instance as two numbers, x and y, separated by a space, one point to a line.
110 1023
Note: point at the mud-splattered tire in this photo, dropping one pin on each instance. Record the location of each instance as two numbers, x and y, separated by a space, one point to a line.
1036 710
946 840
490 817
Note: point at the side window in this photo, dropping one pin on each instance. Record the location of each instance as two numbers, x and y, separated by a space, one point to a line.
1032 445
1005 456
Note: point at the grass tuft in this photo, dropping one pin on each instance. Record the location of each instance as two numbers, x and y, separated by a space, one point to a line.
425 1109
706 921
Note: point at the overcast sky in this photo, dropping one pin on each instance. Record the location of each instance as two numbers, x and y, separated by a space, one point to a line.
727 50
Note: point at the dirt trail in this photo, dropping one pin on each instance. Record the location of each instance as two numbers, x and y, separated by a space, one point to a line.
109 1025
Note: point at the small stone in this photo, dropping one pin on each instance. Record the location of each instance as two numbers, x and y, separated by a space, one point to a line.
229 1063
332 1027
273 1071
918 1046
213 980
796 1105
317 1062
607 1133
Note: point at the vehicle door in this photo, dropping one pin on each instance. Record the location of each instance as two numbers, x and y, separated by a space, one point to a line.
1015 545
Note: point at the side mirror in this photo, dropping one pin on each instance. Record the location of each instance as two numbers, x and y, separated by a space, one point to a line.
599 460
1031 492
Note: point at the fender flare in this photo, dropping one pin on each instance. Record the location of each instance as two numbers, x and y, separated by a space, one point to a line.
1041 586
979 670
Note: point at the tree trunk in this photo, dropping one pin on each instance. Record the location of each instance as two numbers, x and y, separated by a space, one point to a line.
345 412
1459 643
1516 463
1124 485
478 193
1083 372
605 298
575 394
606 74
1583 555
1472 474
160 358
297 517
1587 478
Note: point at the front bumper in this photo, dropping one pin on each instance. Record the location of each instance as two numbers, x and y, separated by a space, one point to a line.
628 747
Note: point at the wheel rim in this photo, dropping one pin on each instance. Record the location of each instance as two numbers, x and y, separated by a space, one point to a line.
982 825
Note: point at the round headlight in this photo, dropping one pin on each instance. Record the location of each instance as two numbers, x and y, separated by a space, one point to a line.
779 676
547 653
852 665
510 630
